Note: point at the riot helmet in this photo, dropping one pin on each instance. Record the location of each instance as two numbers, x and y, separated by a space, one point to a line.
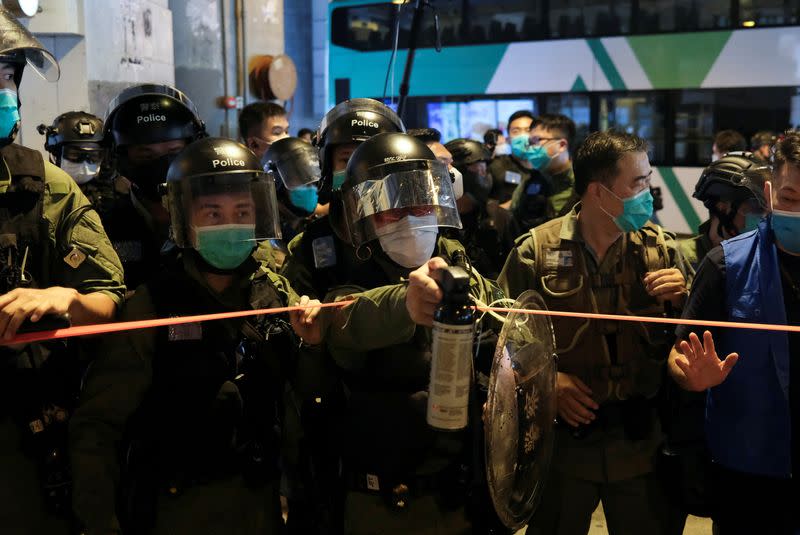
294 165
352 122
150 114
738 179
396 191
220 201
75 143
18 48
466 153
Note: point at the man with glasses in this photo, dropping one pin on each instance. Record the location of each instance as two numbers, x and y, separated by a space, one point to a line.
604 257
547 150
508 171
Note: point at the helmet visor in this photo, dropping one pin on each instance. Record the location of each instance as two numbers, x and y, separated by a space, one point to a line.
243 199
426 194
83 152
295 168
43 63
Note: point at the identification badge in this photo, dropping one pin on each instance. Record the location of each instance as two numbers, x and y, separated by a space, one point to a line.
554 259
324 252
372 482
75 257
185 331
534 188
128 251
513 178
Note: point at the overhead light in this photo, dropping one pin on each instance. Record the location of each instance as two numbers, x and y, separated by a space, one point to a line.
22 8
749 23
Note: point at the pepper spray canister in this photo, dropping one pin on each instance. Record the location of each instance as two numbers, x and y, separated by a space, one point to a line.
451 359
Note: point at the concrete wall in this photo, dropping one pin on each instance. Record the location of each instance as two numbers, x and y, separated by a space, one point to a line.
102 47
297 15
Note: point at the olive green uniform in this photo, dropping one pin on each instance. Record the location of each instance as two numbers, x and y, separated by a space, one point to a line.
122 381
696 248
21 504
621 362
384 361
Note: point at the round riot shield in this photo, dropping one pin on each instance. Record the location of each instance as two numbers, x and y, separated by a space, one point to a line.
520 412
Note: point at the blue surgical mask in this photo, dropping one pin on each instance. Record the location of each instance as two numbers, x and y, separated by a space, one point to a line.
338 180
225 246
636 210
786 226
751 222
9 112
537 156
305 198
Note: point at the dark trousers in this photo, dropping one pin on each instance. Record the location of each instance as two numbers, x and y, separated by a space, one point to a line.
749 504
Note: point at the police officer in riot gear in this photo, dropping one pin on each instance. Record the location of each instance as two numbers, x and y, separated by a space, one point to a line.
146 126
732 188
75 144
488 231
294 164
198 402
400 475
343 128
56 262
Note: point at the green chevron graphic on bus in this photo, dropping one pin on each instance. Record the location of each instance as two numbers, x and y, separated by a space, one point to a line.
666 62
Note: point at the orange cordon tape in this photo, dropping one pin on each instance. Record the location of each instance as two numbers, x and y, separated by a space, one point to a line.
105 328
648 319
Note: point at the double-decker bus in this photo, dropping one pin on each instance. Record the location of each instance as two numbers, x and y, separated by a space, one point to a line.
672 71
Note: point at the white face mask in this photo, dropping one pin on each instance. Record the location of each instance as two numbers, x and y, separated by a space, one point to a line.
410 241
81 172
458 183
503 149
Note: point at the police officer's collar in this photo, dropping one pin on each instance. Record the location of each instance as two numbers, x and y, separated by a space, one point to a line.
235 296
570 229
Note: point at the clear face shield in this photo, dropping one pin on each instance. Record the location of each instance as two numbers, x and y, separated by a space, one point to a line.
223 216
295 168
43 63
420 198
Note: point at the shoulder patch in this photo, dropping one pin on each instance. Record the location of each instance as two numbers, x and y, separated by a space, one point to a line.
324 250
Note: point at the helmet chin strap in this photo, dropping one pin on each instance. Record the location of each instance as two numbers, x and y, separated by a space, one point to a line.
726 219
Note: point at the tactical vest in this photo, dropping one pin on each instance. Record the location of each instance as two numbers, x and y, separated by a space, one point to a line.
582 345
24 233
139 250
333 262
748 422
216 389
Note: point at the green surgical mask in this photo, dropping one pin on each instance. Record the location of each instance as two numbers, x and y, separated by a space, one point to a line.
338 180
225 246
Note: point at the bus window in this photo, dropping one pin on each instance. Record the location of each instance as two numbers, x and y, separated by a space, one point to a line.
754 13
636 113
577 108
683 15
694 127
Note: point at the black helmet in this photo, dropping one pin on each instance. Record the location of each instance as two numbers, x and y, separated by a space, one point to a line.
19 47
77 129
736 177
220 167
147 114
353 121
150 113
467 151
293 163
393 174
